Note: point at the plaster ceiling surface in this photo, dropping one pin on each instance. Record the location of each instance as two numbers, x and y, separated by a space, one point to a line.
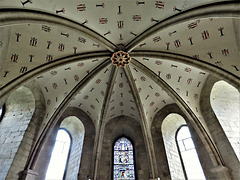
185 80
58 83
68 52
118 21
91 98
153 97
3 48
42 44
212 40
122 101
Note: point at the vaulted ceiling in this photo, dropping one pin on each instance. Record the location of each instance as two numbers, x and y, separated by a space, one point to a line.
66 46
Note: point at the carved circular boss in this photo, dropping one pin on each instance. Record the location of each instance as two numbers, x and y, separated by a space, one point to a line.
120 58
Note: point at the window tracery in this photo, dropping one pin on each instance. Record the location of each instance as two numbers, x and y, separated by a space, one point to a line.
123 160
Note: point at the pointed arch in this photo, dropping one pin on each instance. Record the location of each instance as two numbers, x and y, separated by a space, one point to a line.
75 128
81 157
211 170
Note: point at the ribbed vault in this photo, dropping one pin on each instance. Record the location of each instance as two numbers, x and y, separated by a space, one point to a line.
66 49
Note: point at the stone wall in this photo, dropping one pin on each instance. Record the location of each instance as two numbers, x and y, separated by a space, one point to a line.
130 128
76 129
20 107
79 167
225 101
208 158
25 109
165 151
85 153
221 141
170 126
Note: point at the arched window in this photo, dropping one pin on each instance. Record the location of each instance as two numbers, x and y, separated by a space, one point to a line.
2 111
123 167
225 101
188 154
58 162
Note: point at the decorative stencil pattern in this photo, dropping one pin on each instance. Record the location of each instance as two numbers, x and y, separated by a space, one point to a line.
118 21
27 47
57 84
122 101
90 99
152 96
42 44
185 80
198 39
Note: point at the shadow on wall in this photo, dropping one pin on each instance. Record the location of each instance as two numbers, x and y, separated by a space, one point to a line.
225 102
20 107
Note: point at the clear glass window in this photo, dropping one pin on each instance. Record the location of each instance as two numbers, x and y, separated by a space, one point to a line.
57 164
189 156
2 110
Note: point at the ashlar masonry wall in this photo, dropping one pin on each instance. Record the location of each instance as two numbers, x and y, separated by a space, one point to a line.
170 126
76 129
123 126
20 107
225 101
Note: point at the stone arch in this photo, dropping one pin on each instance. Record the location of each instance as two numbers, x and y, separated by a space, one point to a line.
179 164
86 166
32 117
170 125
40 161
217 133
210 168
130 128
160 148
18 129
75 128
60 156
225 102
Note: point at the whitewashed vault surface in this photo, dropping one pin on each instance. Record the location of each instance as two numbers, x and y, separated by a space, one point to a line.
66 46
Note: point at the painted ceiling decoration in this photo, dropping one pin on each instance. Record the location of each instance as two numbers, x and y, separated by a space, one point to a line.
120 58
76 51
122 100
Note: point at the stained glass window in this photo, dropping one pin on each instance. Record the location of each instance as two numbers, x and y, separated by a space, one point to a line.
123 160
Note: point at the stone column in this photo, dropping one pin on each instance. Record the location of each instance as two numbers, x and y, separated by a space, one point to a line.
29 175
227 154
160 154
